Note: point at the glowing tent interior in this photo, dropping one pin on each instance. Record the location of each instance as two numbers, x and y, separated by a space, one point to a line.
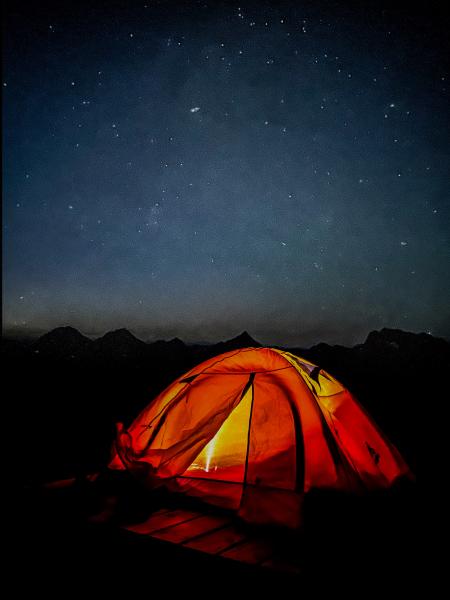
253 430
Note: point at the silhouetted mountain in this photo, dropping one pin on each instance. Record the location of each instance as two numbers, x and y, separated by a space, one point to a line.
62 342
173 347
243 340
120 343
173 351
173 344
395 344
388 346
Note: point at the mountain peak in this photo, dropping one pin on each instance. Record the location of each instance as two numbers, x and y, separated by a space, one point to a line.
119 340
62 341
172 347
65 332
119 335
395 337
247 337
243 340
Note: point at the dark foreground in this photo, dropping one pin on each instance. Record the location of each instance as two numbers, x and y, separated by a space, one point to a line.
65 394
66 545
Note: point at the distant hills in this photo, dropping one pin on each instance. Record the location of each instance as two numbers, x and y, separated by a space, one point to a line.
121 344
389 345
68 343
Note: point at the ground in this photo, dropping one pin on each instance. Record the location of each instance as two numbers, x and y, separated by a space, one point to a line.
344 544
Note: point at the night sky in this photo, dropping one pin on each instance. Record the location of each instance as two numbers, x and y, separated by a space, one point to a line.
200 168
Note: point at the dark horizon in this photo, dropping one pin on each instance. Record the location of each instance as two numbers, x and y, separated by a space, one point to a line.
195 170
149 338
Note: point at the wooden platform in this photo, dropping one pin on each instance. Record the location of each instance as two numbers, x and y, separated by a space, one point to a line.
201 528
222 536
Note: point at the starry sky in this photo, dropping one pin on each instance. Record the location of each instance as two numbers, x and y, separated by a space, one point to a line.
200 168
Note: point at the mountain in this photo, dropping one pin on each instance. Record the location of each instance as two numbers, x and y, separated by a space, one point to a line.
62 342
243 340
388 349
385 345
173 344
120 343
173 347
409 347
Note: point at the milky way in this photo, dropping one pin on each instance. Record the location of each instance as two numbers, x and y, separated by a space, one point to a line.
200 168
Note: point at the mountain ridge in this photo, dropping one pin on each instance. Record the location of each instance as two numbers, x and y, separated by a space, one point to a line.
69 342
383 334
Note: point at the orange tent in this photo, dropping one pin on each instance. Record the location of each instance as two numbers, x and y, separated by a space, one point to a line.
253 430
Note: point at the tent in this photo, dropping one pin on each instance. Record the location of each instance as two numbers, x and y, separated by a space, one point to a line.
253 430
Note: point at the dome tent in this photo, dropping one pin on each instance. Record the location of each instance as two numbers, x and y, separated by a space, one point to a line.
253 430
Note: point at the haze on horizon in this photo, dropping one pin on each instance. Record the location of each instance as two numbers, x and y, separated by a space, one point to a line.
195 170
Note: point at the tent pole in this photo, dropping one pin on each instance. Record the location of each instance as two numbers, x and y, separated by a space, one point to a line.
250 383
